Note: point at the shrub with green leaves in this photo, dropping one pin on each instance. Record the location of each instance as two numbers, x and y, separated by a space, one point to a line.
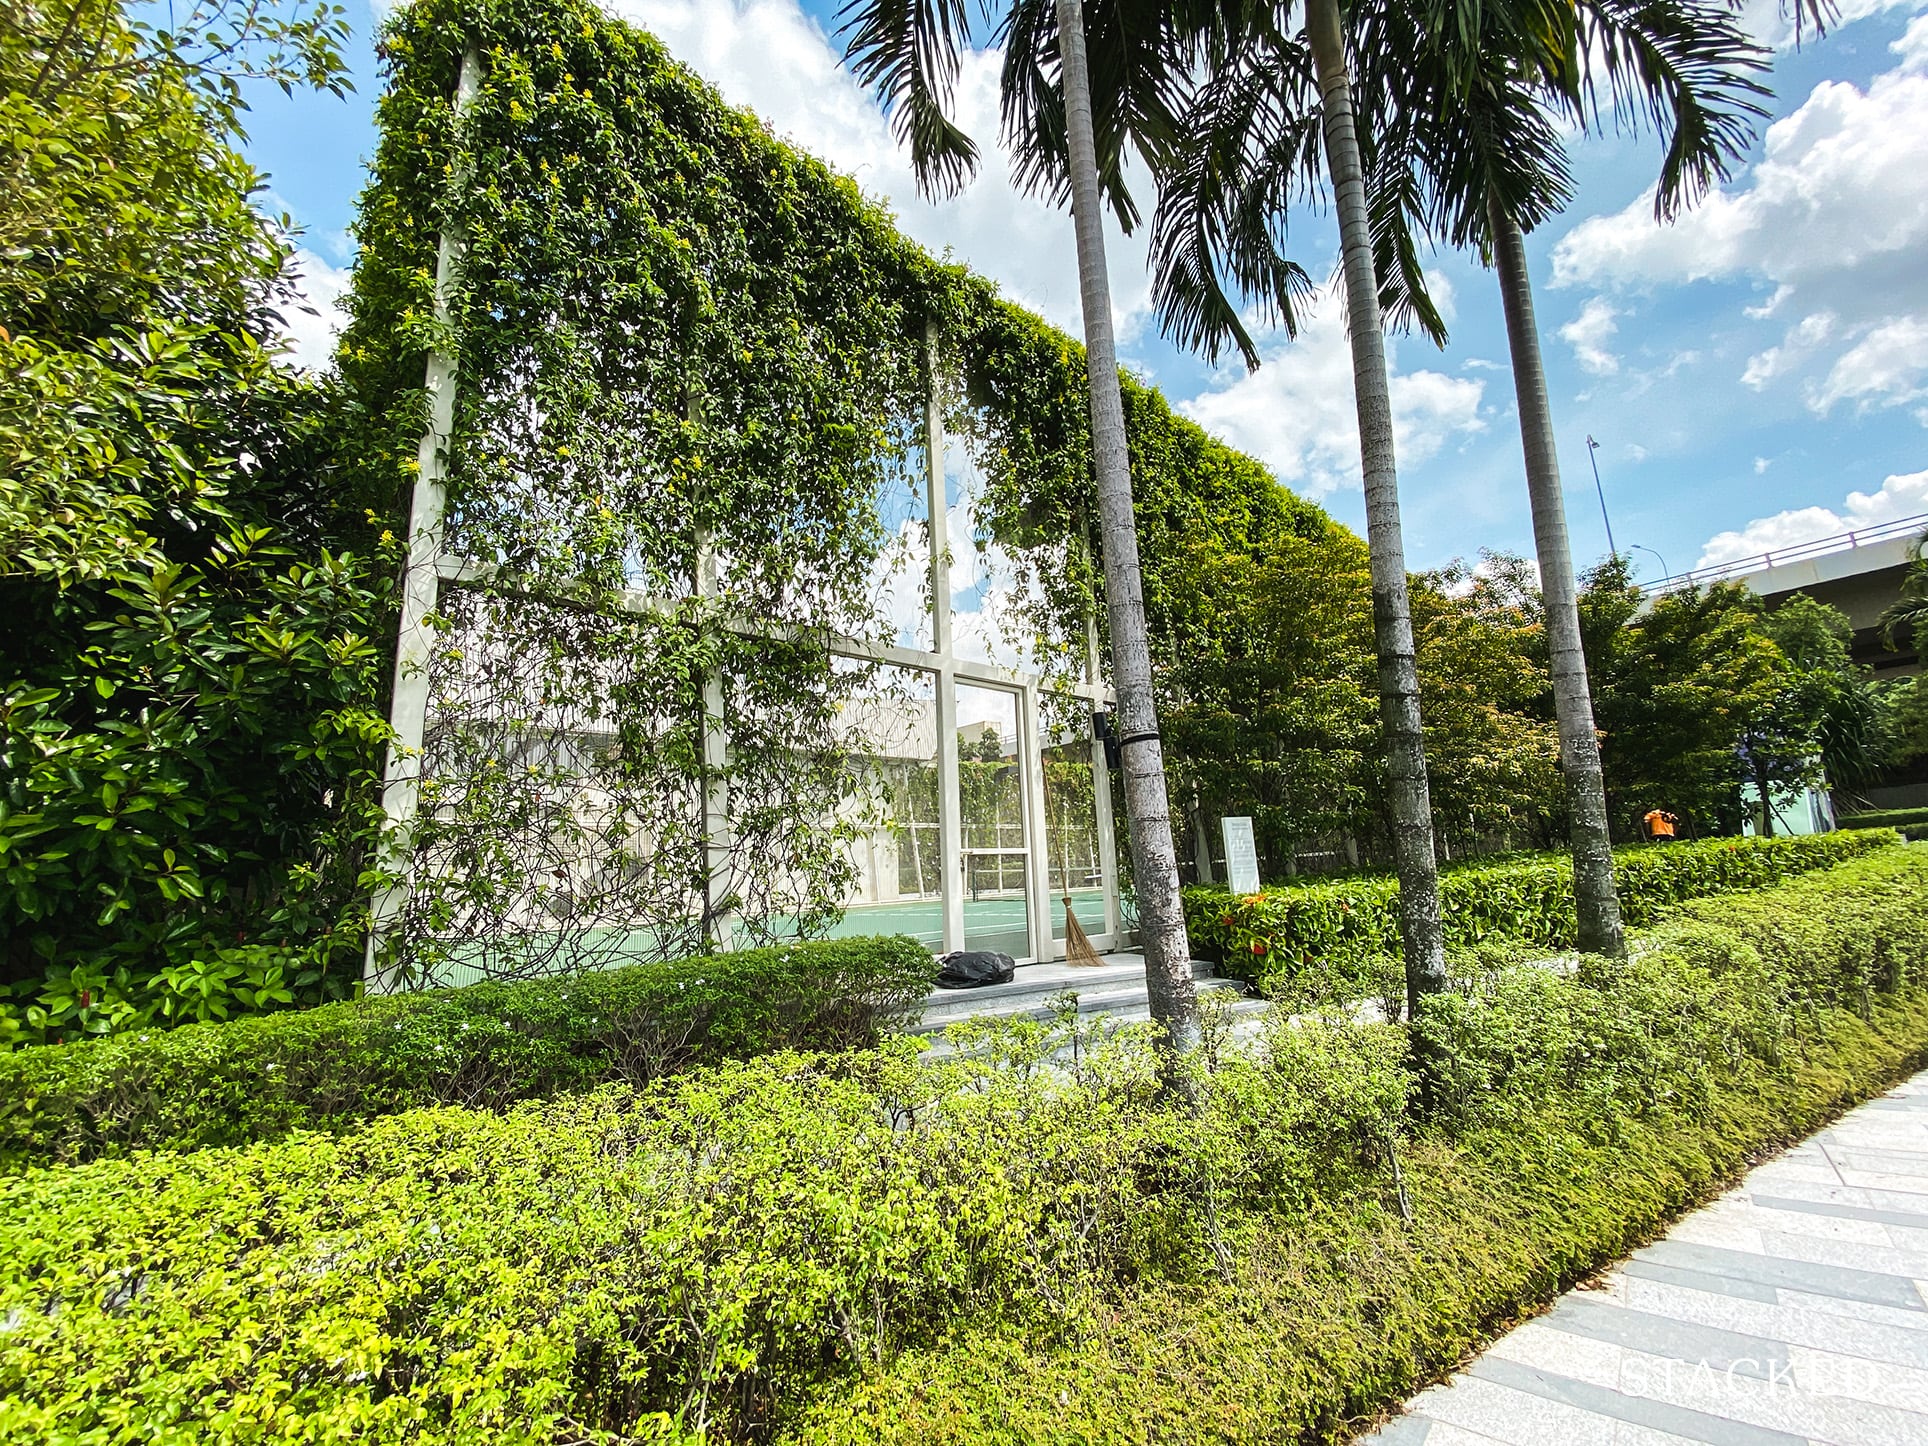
1588 1111
487 1045
190 690
875 1247
1885 818
1332 932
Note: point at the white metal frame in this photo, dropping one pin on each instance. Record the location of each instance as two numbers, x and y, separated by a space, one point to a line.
429 566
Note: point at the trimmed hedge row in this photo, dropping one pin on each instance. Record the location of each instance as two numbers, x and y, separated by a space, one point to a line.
874 1247
265 1076
1885 818
1586 1113
1339 927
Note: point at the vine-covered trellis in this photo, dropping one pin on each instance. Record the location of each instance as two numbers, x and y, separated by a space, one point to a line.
644 374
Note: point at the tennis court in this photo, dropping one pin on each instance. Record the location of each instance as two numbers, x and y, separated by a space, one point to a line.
997 921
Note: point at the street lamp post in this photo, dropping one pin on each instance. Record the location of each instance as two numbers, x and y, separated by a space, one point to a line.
1593 448
1637 547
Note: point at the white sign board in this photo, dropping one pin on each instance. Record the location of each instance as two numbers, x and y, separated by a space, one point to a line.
1241 856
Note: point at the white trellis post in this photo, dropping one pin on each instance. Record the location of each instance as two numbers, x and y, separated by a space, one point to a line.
421 587
1037 835
718 843
950 822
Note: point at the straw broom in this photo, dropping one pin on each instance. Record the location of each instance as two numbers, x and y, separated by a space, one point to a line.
1077 946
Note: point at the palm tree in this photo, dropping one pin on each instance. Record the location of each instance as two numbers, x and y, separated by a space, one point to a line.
1910 610
1459 137
1264 98
908 53
1477 129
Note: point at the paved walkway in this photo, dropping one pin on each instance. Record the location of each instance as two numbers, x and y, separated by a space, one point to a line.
1792 1310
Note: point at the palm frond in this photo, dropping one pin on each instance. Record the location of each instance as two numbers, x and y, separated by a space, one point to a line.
1248 149
907 53
1687 69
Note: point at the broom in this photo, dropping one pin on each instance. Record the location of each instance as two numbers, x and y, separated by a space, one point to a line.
1077 947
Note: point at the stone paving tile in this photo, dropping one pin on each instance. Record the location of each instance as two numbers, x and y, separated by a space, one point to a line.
1668 1392
1853 1309
1831 1209
1879 1258
1792 1325
1792 1311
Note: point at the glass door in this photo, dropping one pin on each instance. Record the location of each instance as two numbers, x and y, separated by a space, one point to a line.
995 868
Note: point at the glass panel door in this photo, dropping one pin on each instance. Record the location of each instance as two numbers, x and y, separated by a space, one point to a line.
996 860
896 881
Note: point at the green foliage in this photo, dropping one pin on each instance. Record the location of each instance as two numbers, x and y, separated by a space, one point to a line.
485 1045
873 1247
1885 818
1588 1112
188 691
728 345
1674 688
1707 688
1328 935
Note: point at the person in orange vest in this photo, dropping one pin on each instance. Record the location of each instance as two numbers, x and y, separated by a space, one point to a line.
1660 824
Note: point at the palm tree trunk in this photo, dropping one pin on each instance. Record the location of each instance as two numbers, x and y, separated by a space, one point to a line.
1392 626
1154 860
1595 899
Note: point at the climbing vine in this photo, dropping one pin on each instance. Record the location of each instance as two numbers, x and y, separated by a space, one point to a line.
691 362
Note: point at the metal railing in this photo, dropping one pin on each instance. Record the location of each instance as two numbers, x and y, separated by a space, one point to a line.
1797 552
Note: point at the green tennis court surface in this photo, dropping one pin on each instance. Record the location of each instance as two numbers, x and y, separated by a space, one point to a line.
998 922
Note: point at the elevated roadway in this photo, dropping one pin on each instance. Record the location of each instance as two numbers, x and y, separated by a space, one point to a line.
1859 572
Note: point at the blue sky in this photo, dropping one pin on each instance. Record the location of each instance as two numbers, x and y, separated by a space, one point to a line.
1756 374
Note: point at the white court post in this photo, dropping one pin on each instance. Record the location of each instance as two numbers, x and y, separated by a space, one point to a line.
950 818
421 586
718 835
1037 837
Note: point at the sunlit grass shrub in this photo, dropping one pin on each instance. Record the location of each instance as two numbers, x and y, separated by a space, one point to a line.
1338 929
332 1067
874 1247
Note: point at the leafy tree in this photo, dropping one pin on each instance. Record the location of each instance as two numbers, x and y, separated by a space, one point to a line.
1675 687
187 699
1267 669
1492 752
1826 724
1906 613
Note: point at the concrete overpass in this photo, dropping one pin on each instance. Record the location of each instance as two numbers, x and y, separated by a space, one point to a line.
1858 572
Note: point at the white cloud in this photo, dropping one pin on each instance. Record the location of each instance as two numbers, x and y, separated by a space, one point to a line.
1296 413
313 318
1589 333
1902 495
1834 220
1889 366
1799 343
1761 464
769 56
1771 22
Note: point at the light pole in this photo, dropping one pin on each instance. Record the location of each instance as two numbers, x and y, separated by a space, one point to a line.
1637 547
1593 448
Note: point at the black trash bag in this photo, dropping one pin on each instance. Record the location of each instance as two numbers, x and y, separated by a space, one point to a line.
975 968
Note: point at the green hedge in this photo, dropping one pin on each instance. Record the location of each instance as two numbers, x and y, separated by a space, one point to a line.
1338 928
1585 1114
874 1247
1885 818
264 1076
